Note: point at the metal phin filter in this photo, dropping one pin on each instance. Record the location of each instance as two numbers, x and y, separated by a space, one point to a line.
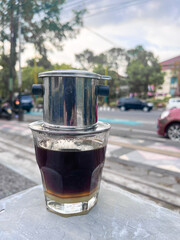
70 98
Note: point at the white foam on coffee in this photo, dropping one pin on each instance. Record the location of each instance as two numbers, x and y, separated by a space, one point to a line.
62 145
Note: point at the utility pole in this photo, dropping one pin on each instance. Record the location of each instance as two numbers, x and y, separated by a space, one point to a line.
11 52
106 98
35 68
35 73
20 115
2 33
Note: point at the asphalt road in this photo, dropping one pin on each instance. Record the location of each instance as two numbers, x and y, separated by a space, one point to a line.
132 123
133 119
128 124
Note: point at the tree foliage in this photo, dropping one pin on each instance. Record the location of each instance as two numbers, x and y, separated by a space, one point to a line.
41 23
113 84
112 58
86 59
28 77
108 62
116 57
29 71
4 74
143 69
40 62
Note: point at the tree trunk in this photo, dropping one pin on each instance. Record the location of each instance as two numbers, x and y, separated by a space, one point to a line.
13 38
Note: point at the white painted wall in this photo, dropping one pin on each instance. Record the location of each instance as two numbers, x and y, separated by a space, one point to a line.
165 87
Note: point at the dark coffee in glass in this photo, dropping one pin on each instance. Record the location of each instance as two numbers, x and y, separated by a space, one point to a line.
70 172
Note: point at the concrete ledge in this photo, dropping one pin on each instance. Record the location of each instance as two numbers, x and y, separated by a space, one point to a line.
118 215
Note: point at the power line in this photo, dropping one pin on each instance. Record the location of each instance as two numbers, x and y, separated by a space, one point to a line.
72 2
106 6
101 36
121 6
109 6
75 4
70 6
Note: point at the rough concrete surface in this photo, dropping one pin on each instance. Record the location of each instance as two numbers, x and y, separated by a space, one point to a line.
117 215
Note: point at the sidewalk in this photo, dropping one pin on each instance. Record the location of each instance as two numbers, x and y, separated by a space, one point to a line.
153 174
155 154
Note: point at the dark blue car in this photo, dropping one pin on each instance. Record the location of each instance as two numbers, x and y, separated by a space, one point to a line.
26 102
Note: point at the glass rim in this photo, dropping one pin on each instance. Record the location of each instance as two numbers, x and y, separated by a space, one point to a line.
99 127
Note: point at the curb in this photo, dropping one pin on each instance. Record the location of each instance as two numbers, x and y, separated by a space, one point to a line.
145 166
36 109
157 184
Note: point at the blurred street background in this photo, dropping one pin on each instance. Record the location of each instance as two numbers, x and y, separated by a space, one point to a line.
136 43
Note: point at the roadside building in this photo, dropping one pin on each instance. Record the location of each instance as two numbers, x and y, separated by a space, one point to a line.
171 68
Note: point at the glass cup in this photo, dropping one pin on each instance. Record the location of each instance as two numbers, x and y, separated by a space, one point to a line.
71 164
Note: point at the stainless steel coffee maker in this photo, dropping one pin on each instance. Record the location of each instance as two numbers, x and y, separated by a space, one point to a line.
70 142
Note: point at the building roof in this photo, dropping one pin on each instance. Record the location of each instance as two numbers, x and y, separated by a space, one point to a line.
170 63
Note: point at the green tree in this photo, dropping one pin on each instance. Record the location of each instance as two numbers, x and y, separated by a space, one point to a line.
62 66
116 57
28 72
41 62
41 22
113 84
86 59
4 75
143 69
28 77
110 60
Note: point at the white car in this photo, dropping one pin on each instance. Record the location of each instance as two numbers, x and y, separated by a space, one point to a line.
173 103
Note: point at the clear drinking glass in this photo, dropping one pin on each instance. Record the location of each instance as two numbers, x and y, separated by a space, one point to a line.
71 164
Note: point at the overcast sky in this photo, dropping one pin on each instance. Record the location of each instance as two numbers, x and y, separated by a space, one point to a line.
155 24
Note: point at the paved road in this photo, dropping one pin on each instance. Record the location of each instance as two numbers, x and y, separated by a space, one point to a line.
132 123
132 115
134 119
128 124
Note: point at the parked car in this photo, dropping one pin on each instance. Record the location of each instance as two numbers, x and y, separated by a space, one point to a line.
133 103
173 103
169 124
26 102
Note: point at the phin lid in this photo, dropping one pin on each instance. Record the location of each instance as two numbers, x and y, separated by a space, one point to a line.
73 73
